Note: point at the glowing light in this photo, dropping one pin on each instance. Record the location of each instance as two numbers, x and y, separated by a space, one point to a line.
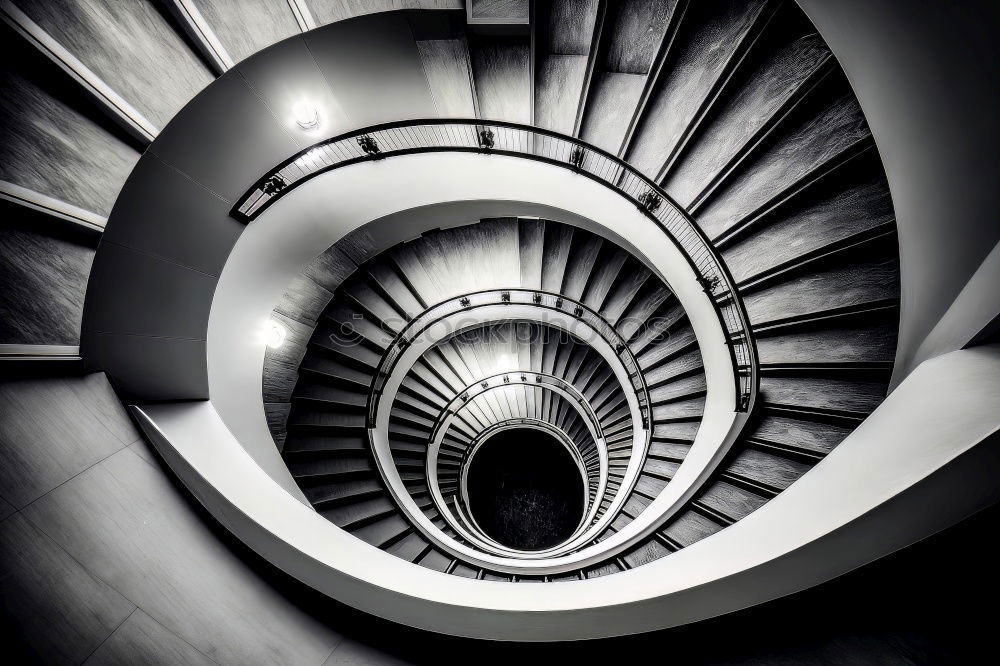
508 361
306 116
275 335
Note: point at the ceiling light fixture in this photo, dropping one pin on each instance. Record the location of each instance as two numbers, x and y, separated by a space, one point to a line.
306 116
275 335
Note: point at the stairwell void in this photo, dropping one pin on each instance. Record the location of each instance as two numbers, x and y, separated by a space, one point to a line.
524 489
603 297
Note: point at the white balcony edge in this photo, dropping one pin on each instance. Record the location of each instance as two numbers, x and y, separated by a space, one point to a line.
938 430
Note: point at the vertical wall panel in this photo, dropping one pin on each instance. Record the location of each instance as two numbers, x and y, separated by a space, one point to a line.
390 58
131 45
330 11
45 278
247 26
52 140
501 66
446 64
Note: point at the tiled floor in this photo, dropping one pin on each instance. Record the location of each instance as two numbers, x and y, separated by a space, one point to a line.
53 429
142 640
103 560
62 610
123 521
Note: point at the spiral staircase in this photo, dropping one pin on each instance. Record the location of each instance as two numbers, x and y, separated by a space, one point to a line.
658 232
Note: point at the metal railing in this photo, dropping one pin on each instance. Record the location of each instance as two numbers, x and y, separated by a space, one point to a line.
502 138
531 297
514 378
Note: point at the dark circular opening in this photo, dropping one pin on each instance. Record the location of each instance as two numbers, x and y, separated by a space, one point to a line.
525 490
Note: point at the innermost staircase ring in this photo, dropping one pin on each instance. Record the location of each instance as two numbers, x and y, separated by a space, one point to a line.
551 384
442 328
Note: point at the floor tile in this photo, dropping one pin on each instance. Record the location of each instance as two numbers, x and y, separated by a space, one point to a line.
353 653
143 449
58 611
6 508
48 434
143 640
96 392
125 522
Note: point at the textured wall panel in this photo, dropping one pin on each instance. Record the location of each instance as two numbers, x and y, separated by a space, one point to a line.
54 142
570 26
498 10
44 278
634 30
390 58
446 64
161 211
503 78
247 26
219 155
329 11
287 76
131 45
609 109
557 91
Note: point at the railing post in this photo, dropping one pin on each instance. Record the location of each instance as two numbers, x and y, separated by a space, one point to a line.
274 184
486 140
369 145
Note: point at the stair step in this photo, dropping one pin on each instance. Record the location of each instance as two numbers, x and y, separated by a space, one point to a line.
383 531
344 492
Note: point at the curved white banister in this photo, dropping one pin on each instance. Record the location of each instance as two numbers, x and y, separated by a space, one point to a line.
938 430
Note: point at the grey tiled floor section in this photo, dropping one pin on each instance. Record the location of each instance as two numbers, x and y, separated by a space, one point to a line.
125 523
54 428
48 596
104 561
142 640
5 508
